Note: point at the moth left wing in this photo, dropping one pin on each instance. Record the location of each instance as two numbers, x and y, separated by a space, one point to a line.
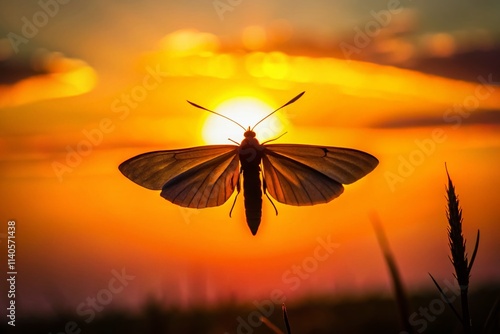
308 175
197 177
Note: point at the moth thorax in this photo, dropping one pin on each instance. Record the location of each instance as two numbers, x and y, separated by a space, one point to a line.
250 142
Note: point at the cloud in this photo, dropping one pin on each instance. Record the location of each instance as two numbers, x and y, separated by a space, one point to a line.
44 75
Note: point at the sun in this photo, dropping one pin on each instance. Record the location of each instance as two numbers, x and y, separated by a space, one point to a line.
246 111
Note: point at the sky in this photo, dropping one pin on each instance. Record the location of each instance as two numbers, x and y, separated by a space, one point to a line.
86 85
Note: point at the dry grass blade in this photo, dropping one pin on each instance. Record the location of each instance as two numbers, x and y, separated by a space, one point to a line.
397 282
271 326
474 252
492 316
285 318
448 301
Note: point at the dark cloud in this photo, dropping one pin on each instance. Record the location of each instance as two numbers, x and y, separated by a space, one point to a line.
480 117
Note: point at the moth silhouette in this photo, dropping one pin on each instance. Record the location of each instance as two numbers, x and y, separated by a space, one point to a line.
206 176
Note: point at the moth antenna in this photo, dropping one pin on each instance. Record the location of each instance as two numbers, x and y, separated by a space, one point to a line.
213 112
289 102
270 140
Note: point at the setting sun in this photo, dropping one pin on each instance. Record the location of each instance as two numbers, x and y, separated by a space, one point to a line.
246 111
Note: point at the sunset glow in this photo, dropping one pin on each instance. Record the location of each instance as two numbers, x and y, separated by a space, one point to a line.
101 84
247 112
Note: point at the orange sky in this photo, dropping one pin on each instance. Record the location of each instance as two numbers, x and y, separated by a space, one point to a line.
78 218
79 221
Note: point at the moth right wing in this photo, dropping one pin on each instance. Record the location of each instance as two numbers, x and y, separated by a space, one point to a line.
197 177
308 174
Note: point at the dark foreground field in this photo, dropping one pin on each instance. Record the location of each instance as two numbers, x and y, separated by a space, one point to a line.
374 314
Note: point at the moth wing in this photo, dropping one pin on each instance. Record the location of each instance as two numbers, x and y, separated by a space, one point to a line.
308 175
197 177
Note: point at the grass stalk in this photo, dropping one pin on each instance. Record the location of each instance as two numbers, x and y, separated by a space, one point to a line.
270 325
459 257
397 282
285 318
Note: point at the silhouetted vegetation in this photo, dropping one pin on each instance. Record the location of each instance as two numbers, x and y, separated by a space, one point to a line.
373 314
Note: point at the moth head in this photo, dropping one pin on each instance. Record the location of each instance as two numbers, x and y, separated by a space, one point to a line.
249 133
250 139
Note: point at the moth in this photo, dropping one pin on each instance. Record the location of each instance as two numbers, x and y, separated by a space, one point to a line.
206 176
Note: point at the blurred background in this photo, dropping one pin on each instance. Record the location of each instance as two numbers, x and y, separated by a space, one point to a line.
87 85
